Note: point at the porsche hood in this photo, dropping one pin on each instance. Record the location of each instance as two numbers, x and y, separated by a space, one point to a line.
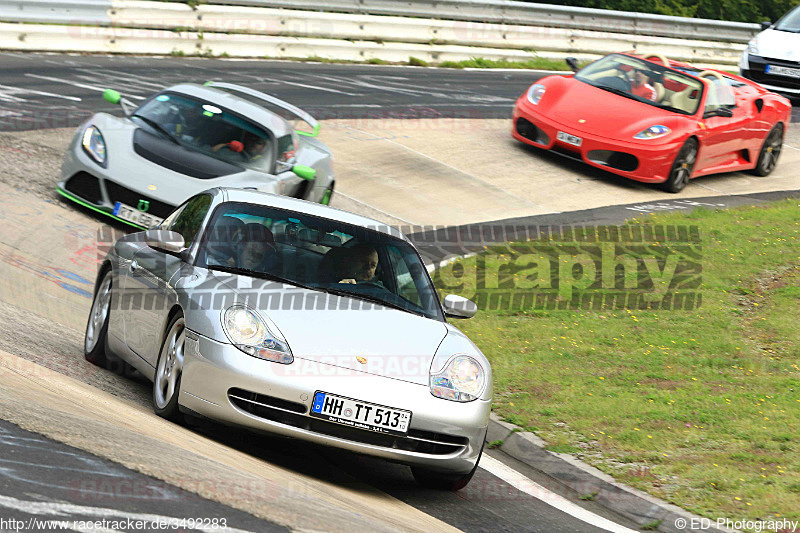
349 333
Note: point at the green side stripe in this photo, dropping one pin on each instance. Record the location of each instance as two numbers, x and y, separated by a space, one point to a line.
77 200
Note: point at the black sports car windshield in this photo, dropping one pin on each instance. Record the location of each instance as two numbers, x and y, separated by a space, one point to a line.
209 129
789 22
319 254
644 81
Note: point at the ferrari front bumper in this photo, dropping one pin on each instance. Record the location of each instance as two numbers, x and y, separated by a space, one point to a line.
648 163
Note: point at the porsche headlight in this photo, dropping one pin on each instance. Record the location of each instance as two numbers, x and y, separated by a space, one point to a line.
251 334
94 144
535 93
752 46
653 132
461 380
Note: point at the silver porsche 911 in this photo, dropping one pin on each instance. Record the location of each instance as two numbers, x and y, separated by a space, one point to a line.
187 139
298 319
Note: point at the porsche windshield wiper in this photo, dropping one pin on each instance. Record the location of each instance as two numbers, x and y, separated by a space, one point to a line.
158 127
369 298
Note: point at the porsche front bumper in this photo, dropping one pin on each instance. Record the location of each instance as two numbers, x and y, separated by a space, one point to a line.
224 384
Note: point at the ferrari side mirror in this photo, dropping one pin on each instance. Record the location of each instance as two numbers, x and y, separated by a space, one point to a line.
766 25
572 63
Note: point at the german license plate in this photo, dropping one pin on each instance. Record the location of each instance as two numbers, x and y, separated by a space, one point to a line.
361 415
569 139
783 71
126 212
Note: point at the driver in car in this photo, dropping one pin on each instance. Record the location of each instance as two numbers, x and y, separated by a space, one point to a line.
359 265
250 149
640 84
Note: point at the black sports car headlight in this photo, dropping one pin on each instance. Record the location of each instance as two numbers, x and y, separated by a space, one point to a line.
94 144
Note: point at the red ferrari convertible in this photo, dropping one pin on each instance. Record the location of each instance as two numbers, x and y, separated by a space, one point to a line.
655 120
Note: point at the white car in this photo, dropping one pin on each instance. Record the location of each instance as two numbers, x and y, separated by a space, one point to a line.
772 57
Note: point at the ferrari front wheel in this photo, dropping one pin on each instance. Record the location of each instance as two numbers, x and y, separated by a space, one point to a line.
770 151
682 168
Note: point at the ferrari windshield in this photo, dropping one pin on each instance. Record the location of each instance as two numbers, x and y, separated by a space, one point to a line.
644 81
319 254
206 128
789 22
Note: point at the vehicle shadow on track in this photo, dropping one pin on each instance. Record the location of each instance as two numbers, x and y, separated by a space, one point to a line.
585 172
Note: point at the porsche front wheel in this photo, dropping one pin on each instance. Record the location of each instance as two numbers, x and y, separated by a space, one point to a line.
94 344
682 168
167 382
770 151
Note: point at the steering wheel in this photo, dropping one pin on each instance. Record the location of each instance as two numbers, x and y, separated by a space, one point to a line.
614 82
660 57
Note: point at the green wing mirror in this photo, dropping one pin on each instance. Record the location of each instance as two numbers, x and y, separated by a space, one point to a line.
111 96
304 172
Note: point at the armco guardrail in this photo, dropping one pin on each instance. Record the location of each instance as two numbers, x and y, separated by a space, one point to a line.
524 13
137 26
56 11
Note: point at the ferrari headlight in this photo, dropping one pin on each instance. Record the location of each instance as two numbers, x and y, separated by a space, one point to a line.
752 46
653 132
251 334
461 380
535 93
94 144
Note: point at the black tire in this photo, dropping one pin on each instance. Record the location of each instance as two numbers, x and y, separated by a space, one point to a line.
770 151
682 167
442 481
166 385
94 340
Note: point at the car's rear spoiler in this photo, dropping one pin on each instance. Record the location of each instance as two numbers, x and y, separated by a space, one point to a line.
296 111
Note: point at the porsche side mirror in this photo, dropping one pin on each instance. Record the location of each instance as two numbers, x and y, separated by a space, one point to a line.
719 112
304 172
459 307
113 97
766 25
167 241
572 63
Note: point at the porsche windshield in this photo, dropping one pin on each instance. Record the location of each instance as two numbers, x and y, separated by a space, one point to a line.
318 254
206 128
644 81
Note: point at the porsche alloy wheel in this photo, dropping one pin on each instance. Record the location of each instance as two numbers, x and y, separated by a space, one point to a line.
770 151
682 167
167 382
97 326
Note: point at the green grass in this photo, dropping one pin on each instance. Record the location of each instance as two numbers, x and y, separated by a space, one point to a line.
698 407
417 62
538 63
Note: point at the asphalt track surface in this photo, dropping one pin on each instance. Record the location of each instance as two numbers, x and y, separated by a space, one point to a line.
52 91
48 91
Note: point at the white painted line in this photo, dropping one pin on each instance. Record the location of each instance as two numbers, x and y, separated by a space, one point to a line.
318 88
18 90
792 147
523 484
376 209
76 84
67 509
